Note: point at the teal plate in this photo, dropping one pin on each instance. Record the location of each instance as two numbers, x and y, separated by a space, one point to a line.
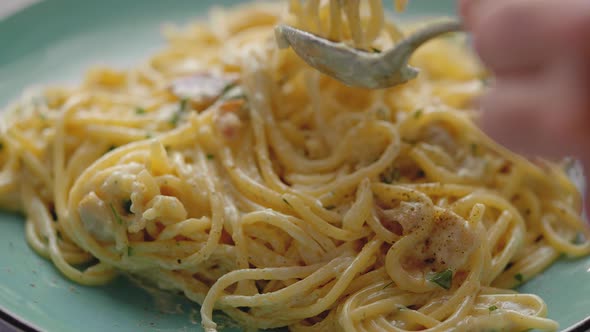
54 42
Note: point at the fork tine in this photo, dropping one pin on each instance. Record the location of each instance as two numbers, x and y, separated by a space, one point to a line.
334 59
356 67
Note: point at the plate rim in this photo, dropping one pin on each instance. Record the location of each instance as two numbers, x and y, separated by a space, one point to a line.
16 323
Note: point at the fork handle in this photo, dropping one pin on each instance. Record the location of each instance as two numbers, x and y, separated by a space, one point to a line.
416 39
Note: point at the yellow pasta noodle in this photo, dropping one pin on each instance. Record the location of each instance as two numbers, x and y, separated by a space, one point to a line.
227 169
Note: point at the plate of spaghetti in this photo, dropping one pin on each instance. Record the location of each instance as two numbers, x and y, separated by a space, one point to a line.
215 182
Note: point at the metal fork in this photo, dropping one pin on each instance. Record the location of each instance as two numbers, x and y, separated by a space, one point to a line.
357 67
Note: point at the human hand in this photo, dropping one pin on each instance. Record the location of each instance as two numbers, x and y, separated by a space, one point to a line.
539 53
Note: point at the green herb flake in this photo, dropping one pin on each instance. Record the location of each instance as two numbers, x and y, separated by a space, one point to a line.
140 111
382 113
474 149
127 206
238 96
375 50
176 116
519 277
59 236
418 113
183 104
492 308
286 202
111 148
228 87
389 284
129 251
174 119
210 156
116 214
392 176
444 279
1 146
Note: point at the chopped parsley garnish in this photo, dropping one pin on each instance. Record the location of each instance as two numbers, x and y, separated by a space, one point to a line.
474 148
444 279
1 146
111 148
129 251
492 308
238 96
519 277
174 119
228 87
127 206
418 113
210 156
230 92
116 214
176 116
391 176
58 233
183 104
375 50
286 202
140 111
382 113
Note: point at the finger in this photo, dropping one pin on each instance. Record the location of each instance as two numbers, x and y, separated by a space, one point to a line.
469 10
509 110
518 35
465 8
544 114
